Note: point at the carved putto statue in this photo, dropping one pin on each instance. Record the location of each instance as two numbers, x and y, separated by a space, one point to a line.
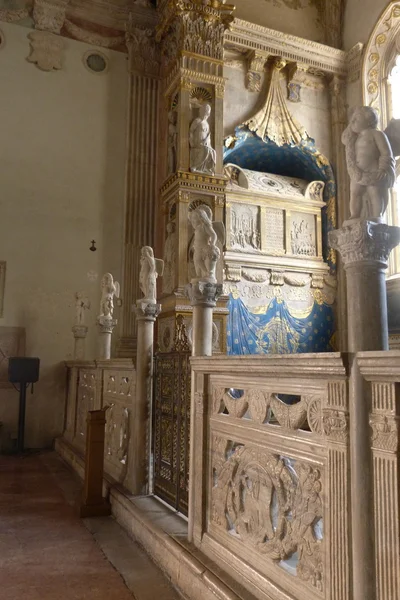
109 289
202 155
82 303
370 164
205 250
150 268
172 141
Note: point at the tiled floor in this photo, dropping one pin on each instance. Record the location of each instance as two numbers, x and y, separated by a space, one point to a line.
48 553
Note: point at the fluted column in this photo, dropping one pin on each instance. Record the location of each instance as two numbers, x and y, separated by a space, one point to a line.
141 183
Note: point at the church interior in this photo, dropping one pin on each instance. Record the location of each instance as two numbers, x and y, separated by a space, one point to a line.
200 302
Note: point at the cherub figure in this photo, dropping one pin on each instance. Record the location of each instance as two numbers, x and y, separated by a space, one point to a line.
206 234
109 289
82 303
202 155
150 268
370 164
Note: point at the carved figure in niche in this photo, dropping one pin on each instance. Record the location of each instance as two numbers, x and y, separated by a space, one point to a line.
206 234
109 289
150 269
202 155
169 258
172 141
370 164
82 303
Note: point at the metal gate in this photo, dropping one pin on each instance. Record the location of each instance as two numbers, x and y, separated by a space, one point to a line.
171 423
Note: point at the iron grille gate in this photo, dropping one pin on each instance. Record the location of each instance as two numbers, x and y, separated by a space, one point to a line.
171 426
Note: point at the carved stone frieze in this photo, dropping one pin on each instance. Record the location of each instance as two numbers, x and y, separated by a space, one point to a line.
336 424
385 432
49 15
272 504
46 50
360 240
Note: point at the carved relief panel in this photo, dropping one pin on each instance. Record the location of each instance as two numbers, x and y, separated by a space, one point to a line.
86 400
303 234
244 233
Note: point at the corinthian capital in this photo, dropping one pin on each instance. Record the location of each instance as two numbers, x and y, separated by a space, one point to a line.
359 240
143 50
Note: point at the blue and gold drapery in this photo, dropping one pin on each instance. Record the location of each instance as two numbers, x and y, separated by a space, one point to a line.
276 330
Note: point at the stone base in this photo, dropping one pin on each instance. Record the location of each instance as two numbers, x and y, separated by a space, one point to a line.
94 510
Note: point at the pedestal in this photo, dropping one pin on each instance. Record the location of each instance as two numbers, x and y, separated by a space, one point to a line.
106 326
203 296
364 247
80 333
146 314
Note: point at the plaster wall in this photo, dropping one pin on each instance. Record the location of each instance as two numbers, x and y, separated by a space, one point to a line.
359 20
62 165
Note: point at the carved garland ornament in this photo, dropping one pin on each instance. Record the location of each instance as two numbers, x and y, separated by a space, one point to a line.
270 503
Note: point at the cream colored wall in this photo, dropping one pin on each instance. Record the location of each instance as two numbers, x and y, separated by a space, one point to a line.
359 20
62 164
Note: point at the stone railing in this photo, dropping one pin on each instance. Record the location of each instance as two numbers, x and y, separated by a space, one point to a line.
381 372
93 385
269 477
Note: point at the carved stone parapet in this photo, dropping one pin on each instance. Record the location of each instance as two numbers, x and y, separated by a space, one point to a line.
106 324
385 432
336 424
256 63
49 15
80 331
147 310
359 240
46 50
203 293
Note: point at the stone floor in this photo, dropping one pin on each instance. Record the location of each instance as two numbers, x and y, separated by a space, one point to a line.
48 553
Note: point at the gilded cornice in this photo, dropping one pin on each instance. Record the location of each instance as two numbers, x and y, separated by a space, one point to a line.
180 74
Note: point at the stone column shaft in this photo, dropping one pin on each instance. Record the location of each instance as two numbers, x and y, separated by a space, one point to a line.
146 315
80 333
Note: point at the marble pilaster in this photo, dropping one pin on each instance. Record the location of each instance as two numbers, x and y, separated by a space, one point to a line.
141 185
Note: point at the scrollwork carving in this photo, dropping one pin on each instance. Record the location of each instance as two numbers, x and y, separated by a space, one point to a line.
385 432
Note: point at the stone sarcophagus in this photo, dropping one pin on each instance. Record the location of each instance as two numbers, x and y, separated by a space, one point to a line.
273 221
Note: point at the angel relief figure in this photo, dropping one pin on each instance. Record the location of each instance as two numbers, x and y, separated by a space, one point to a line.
206 235
109 289
150 269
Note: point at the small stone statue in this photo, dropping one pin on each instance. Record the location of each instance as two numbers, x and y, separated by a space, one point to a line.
82 303
150 268
172 141
202 155
370 164
205 250
109 289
